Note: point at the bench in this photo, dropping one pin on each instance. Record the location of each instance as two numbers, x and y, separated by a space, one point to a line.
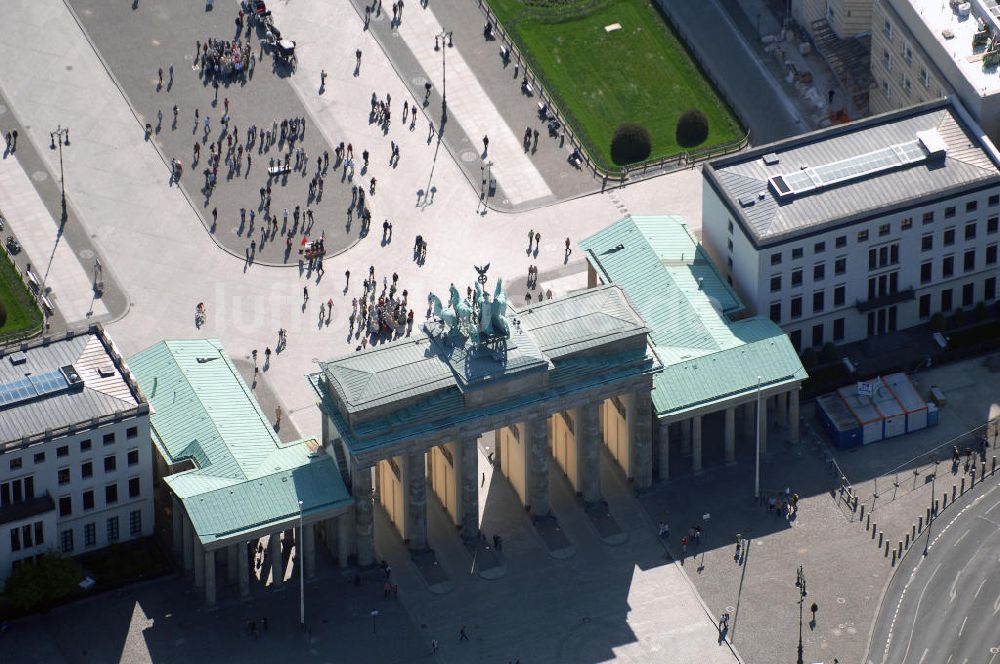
940 340
32 281
543 109
504 53
528 90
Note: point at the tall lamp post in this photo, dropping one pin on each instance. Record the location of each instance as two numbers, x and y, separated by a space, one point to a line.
61 137
439 43
800 581
299 545
756 475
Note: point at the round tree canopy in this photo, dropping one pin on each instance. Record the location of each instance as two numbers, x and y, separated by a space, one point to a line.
692 128
631 143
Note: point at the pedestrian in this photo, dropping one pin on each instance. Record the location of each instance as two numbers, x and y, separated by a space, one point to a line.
253 354
267 356
347 279
434 645
159 73
329 307
305 294
538 241
568 249
486 144
684 544
322 78
462 636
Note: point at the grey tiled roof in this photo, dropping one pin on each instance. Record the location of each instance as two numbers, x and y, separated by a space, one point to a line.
970 162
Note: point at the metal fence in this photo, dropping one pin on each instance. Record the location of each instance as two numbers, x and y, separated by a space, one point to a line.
579 142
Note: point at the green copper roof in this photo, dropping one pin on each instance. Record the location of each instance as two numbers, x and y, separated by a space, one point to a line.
687 304
244 476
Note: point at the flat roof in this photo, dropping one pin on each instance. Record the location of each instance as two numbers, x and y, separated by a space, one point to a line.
942 20
687 304
47 385
244 477
849 172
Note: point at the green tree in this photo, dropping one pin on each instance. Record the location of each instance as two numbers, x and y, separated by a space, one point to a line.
34 586
631 143
692 128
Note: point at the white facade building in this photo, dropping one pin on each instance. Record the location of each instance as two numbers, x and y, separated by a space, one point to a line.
76 466
862 229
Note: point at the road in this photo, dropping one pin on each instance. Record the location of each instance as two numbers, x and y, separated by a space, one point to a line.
942 607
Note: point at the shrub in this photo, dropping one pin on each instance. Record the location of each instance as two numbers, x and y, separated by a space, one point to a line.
808 358
828 354
981 312
937 322
631 143
3 314
959 318
692 128
37 586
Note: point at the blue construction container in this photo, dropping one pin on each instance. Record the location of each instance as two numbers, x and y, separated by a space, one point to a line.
838 420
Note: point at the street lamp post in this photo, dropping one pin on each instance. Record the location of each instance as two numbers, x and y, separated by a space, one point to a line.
439 43
302 569
800 581
756 476
61 137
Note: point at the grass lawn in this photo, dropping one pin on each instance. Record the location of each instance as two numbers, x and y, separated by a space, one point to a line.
22 312
641 73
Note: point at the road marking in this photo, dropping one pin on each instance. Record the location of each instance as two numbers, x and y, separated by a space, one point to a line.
954 586
962 628
961 537
924 656
916 612
981 584
995 505
949 658
996 605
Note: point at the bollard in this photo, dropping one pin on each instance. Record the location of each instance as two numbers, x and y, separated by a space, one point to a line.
993 465
954 488
928 514
868 521
880 539
913 530
899 549
887 548
935 507
862 511
982 472
893 558
907 544
855 508
874 528
944 501
963 486
920 524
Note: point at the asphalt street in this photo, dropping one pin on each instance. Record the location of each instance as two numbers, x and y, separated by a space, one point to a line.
942 607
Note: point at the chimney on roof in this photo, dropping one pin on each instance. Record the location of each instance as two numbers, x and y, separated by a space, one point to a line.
700 282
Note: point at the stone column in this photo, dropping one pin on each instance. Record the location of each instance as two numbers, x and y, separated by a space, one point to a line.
277 560
538 465
467 477
188 537
793 416
782 412
343 540
749 418
588 452
686 437
210 578
244 568
640 437
231 555
696 444
730 435
363 517
663 449
177 521
762 424
309 549
416 494
199 564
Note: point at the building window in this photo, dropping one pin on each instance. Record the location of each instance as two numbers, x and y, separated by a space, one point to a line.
87 469
113 529
776 312
925 306
134 522
949 212
990 289
90 534
991 225
39 458
970 231
730 226
132 432
796 305
819 301
968 295
887 29
795 336
839 295
15 464
819 247
887 59
991 254
109 439
884 229
796 253
819 272
85 445
907 86
62 451
111 494
928 218
838 329
885 89
947 267
65 505
796 278
840 241
908 53
840 265
729 244
15 539
906 224
63 476
927 242
817 334
133 487
969 260
926 272
946 300
863 236
133 457
88 499
110 463
776 283
66 541
993 200
776 258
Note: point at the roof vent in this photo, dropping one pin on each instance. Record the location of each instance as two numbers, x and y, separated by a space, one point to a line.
105 371
746 201
71 375
931 141
770 159
761 195
17 358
